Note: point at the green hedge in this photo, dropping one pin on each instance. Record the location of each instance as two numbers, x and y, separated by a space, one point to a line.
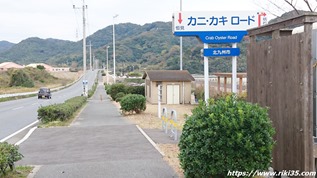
114 89
62 111
93 89
133 103
140 90
228 134
9 154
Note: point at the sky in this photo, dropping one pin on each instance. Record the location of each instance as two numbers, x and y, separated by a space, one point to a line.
21 19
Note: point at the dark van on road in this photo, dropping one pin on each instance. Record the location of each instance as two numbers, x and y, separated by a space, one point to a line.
44 93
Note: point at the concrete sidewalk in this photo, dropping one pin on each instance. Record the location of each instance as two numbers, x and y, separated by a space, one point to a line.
100 143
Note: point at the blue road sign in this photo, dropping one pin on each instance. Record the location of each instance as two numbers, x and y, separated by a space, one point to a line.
218 52
215 37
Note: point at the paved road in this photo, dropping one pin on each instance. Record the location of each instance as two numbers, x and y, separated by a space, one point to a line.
17 114
100 143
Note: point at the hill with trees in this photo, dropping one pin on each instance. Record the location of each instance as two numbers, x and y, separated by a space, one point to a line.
149 46
5 45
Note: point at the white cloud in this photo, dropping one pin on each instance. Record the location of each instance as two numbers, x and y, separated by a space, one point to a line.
21 19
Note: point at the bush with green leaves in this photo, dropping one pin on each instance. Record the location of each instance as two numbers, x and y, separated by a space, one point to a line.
140 90
62 111
21 78
9 154
227 134
115 89
119 96
133 103
93 89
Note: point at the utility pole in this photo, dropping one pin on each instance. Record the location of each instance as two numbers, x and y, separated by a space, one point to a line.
107 66
90 66
114 50
94 64
84 49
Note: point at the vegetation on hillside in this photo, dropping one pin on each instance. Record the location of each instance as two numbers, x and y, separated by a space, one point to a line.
151 46
5 45
28 77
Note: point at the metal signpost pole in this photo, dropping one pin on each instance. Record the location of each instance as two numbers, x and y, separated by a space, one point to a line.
181 44
234 71
206 75
159 94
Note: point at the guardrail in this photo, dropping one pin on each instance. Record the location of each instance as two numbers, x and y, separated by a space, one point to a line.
169 123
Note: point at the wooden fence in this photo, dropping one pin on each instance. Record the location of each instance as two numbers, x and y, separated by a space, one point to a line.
280 76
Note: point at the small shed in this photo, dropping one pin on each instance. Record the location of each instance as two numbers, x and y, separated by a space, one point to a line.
176 86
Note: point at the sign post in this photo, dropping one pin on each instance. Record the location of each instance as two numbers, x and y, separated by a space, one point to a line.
217 28
234 71
206 75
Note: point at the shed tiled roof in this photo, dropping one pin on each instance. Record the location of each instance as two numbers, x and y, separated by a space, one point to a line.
169 75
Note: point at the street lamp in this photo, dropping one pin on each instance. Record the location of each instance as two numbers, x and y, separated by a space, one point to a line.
114 51
107 66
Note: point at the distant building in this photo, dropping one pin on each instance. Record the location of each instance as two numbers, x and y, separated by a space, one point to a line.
49 68
176 86
8 65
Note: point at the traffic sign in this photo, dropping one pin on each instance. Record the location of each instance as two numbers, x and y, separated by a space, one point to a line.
216 37
216 27
217 52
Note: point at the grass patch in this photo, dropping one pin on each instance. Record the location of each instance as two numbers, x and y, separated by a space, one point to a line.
64 123
16 97
20 172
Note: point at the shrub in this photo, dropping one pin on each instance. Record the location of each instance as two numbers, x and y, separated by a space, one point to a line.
93 89
140 90
61 111
21 78
107 87
8 156
119 96
135 74
41 67
199 93
227 134
133 103
115 89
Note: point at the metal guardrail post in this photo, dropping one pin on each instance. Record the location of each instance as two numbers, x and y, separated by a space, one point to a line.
173 124
164 119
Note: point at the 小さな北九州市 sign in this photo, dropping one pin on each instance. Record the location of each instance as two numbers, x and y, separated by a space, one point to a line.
216 27
223 52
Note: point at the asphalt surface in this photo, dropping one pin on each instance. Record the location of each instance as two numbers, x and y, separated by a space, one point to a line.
100 143
17 114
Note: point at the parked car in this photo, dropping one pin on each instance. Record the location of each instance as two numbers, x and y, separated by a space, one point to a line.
44 93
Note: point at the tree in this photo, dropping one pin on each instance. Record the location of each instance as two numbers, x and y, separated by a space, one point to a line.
41 67
21 78
278 7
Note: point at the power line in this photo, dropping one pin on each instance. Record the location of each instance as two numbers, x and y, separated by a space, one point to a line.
77 24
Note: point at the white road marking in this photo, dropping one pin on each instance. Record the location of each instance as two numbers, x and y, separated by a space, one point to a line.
150 140
26 136
18 108
17 132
